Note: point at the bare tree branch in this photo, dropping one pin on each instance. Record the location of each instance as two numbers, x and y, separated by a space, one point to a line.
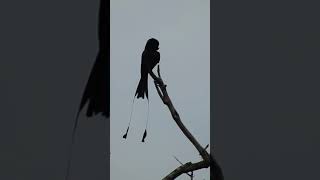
208 160
191 174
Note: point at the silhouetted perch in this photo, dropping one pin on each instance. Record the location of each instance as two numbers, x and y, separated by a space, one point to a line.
208 160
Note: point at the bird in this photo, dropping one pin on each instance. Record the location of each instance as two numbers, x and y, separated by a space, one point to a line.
149 59
97 90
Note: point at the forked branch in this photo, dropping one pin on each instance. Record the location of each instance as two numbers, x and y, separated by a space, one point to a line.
208 160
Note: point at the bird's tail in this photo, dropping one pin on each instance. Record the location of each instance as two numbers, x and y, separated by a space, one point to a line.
142 88
126 134
145 131
71 146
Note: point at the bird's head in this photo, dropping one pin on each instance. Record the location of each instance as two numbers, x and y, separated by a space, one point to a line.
152 45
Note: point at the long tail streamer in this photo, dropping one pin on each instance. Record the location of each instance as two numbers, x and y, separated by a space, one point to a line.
126 134
71 145
145 131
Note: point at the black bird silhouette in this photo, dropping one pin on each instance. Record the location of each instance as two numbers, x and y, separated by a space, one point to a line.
150 58
97 90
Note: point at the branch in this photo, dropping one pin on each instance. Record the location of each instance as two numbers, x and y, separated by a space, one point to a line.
188 167
208 160
191 174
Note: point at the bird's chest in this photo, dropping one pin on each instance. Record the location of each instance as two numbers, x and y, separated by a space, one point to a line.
149 60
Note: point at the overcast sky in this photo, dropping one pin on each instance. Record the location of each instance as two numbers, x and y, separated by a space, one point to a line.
183 30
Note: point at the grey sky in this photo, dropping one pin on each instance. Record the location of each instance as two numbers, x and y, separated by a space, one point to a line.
183 30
